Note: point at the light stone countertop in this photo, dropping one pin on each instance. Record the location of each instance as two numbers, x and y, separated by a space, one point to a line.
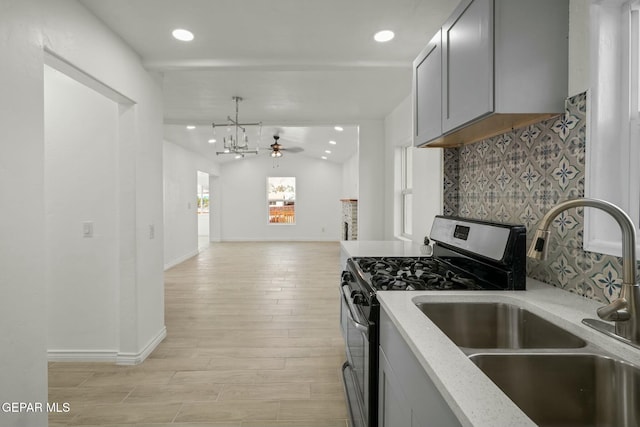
376 248
386 248
472 396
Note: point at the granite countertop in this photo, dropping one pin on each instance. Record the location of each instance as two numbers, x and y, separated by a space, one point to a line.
472 396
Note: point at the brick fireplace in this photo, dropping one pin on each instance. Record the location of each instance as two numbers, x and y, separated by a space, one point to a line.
349 219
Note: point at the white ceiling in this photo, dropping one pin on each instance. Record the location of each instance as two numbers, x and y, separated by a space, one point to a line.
295 62
310 141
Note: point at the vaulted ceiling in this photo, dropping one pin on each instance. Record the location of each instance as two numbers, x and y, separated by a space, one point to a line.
297 63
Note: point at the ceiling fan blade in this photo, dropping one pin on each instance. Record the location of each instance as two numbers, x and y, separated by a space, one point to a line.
293 149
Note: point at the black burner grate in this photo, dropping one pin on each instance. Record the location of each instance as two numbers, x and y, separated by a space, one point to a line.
412 274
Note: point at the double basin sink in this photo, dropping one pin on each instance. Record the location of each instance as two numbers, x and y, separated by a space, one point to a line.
555 377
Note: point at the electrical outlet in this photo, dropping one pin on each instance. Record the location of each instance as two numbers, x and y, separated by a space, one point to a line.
87 229
152 231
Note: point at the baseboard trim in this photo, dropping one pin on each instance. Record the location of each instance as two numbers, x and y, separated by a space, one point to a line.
181 259
109 356
137 358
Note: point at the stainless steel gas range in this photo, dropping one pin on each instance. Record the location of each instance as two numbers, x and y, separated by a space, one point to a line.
467 255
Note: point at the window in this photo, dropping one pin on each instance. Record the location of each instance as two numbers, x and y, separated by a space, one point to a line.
281 199
406 191
613 147
203 193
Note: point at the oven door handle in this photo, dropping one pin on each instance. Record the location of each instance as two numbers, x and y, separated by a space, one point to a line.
352 314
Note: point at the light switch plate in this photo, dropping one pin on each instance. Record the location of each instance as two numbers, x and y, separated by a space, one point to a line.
87 229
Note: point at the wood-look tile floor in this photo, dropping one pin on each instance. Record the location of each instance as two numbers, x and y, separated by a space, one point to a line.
253 340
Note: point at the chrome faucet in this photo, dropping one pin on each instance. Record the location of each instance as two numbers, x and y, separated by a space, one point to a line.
625 310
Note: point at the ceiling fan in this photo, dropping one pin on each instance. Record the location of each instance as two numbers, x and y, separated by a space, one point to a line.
277 148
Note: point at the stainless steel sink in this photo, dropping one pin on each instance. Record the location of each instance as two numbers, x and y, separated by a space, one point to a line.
567 389
497 326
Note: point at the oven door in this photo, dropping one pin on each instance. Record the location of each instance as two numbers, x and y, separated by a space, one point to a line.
356 369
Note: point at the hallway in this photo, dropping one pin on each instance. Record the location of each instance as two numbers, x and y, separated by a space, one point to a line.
253 340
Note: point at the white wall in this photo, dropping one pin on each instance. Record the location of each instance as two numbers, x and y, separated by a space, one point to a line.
23 363
350 178
71 32
427 190
80 186
180 179
579 50
243 206
427 176
397 129
203 225
371 177
75 35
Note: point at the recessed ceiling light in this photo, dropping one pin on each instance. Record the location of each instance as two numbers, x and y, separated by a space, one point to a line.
212 141
332 142
383 36
339 128
327 151
191 127
182 35
324 157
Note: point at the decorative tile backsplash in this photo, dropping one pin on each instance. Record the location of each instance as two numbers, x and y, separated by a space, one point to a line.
517 177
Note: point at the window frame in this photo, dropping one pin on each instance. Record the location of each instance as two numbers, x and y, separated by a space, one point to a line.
613 133
283 220
406 191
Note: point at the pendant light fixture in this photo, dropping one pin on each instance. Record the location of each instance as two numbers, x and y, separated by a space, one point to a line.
237 141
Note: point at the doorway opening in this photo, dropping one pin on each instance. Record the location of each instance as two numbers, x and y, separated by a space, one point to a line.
203 211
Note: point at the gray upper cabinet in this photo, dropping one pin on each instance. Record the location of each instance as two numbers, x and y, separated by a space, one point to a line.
504 65
467 78
427 73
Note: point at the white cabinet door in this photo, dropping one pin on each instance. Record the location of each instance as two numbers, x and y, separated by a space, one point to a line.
467 64
427 91
393 410
406 394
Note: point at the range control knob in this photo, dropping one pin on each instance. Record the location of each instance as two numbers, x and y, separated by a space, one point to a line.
358 297
347 276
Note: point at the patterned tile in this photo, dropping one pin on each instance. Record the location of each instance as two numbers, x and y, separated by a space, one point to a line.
517 177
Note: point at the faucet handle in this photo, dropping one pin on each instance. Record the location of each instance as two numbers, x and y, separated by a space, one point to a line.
539 246
617 310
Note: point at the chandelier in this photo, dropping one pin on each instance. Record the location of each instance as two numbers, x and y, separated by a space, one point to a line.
237 141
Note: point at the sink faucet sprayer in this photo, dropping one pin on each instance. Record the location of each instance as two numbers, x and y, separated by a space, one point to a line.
625 310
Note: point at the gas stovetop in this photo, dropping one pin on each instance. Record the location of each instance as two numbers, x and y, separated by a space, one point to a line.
467 255
420 273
